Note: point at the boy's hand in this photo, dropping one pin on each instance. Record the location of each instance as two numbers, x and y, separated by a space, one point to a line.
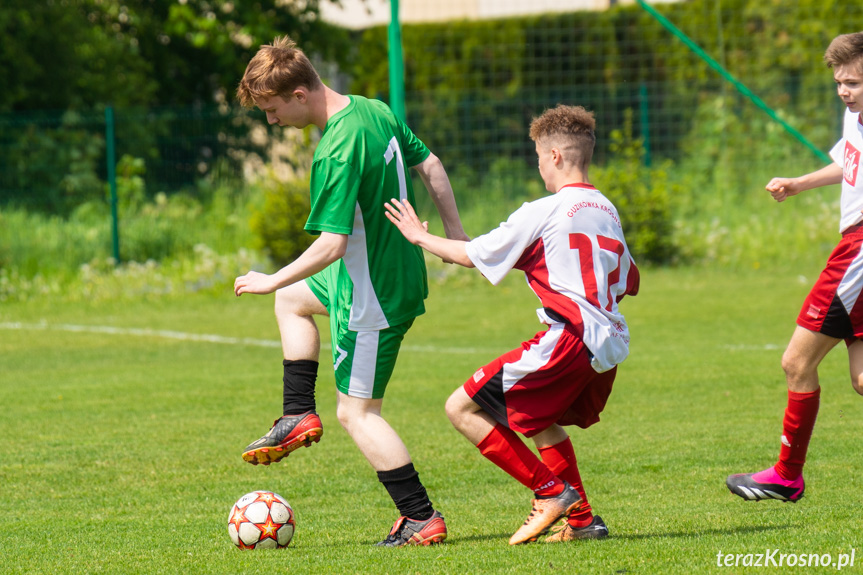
402 214
405 218
782 188
254 282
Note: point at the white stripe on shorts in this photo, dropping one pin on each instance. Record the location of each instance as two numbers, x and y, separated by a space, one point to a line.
363 365
852 283
533 359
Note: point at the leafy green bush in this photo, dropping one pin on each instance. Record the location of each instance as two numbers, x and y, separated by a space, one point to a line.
485 200
169 226
36 244
642 194
52 165
279 223
131 186
164 228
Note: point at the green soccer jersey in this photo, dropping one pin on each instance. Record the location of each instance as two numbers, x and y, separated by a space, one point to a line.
361 162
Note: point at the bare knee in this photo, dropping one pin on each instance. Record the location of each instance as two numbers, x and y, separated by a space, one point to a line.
465 415
287 302
797 369
299 300
450 408
855 360
455 407
802 357
354 411
345 415
789 364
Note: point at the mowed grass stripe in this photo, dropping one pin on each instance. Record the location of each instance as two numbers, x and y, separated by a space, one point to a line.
122 454
207 338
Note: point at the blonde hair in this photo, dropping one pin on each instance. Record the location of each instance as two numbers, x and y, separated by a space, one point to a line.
571 129
845 49
276 70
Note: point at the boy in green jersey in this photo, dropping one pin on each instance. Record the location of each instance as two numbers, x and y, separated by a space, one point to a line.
360 271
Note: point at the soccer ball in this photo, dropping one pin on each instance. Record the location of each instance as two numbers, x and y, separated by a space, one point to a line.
261 520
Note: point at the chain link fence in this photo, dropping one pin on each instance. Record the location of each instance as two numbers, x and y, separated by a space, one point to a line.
472 86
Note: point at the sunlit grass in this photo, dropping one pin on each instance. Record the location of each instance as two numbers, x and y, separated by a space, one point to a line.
121 451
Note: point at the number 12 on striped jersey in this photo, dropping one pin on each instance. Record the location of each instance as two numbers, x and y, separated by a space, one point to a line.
582 243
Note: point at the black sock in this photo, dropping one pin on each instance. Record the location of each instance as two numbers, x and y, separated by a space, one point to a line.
298 394
409 495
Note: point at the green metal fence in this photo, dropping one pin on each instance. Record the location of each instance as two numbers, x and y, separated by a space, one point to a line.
53 161
472 86
720 85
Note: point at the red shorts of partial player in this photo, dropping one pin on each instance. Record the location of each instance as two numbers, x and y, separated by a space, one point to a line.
547 380
834 306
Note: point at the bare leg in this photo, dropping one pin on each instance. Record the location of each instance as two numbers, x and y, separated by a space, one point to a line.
295 307
800 361
375 438
468 417
855 360
551 436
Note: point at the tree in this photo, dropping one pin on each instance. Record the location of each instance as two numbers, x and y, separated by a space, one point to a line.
60 54
163 64
52 57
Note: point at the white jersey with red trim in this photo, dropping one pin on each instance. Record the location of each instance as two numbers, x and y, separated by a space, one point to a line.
570 246
846 153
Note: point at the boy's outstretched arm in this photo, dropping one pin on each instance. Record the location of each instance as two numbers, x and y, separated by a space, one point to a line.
405 218
325 250
437 183
782 188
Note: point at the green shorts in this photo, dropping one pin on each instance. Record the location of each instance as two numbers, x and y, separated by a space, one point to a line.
363 360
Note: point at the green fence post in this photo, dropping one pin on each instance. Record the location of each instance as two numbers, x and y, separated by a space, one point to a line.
397 65
112 179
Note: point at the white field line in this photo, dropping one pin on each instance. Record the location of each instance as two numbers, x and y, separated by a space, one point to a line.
745 347
210 338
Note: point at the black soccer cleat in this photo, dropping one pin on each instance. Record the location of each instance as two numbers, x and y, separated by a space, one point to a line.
288 433
765 484
410 532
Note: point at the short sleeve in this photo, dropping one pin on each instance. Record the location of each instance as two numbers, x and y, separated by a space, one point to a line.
838 151
415 152
334 189
497 252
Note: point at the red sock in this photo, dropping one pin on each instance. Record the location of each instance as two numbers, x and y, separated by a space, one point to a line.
504 448
796 431
560 458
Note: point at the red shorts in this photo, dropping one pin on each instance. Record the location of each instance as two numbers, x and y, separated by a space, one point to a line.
834 305
545 381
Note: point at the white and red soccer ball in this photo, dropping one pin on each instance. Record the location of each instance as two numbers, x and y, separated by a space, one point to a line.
261 520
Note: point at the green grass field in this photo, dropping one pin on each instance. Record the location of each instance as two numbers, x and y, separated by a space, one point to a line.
121 447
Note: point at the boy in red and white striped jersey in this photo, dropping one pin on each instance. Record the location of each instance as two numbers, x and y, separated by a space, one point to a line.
571 247
833 310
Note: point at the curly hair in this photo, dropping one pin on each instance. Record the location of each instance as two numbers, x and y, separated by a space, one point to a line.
276 70
571 129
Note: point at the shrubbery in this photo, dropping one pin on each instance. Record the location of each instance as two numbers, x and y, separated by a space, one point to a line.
278 224
643 197
167 244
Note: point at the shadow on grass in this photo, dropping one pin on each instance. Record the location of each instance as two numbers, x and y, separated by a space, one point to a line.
635 537
702 532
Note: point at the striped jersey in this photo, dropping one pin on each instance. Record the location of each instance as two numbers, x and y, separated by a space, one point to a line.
570 246
360 163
